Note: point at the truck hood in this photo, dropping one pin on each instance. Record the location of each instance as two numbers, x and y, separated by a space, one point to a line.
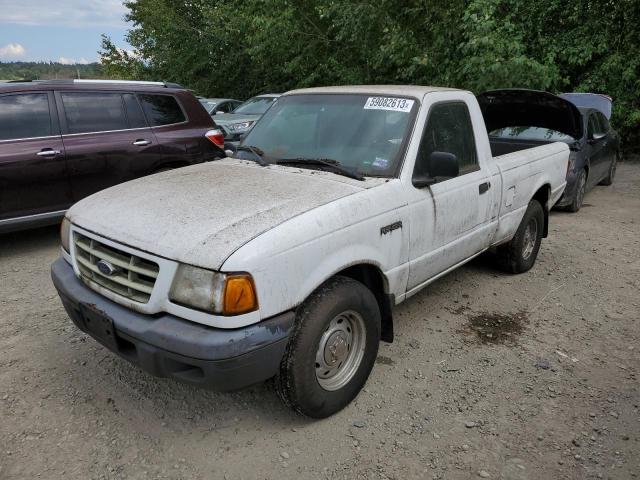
529 108
201 214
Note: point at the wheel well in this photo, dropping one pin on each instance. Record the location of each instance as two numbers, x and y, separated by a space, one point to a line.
372 277
542 196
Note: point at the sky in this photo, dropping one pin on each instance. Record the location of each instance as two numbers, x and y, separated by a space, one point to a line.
66 31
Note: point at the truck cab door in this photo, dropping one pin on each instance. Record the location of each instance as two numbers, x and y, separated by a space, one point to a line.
452 221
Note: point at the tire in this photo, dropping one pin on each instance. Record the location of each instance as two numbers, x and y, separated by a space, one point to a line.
608 180
578 196
341 312
519 255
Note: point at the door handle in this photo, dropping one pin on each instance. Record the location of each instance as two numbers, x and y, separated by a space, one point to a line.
48 153
483 187
142 142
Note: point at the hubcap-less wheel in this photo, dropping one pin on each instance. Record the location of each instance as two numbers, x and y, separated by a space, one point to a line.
340 350
530 238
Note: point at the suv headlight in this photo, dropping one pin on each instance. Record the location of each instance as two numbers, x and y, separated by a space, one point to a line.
65 234
240 127
214 292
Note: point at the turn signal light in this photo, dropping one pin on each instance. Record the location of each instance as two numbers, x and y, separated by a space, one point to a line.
216 137
239 295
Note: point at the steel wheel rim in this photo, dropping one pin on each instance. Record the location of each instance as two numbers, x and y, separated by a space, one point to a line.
580 192
340 350
530 238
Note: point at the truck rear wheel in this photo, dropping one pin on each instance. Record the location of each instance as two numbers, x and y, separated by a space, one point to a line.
519 255
331 350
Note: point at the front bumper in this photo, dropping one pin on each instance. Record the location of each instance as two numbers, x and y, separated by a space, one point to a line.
168 346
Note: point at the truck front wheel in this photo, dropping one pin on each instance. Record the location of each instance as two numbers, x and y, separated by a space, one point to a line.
331 350
519 255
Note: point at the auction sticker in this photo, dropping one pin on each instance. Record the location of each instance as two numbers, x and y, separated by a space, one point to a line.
389 103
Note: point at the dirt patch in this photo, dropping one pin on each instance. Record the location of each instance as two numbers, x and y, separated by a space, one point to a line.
497 327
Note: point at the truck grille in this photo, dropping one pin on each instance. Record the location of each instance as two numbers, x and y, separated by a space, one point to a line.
132 277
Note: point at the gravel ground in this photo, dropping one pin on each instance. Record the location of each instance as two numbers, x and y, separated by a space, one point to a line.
491 376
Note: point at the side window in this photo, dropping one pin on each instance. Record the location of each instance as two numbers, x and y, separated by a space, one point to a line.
24 116
594 125
449 129
94 112
604 123
161 109
134 111
228 107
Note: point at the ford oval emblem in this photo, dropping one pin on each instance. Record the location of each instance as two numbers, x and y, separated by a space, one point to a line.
106 268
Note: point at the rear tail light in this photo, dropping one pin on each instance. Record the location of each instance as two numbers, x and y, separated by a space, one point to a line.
216 137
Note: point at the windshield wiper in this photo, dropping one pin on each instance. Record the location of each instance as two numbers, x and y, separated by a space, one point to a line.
257 153
333 165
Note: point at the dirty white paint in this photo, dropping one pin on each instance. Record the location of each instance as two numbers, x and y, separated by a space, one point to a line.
200 214
292 229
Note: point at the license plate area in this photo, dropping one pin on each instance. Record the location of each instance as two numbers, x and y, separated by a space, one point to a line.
99 325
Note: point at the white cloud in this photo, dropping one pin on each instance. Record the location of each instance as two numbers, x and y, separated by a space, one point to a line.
69 13
73 61
12 50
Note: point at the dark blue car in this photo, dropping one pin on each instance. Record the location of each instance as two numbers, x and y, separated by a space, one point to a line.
518 119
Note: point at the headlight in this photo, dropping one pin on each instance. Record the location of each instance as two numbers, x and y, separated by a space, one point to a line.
240 127
214 292
65 234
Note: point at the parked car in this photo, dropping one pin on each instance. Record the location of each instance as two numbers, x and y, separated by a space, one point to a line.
217 106
521 117
339 204
63 140
240 121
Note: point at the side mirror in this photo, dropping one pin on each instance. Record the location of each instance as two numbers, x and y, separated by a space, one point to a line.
596 137
443 165
218 112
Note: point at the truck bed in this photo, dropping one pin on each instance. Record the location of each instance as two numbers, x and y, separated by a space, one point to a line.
503 146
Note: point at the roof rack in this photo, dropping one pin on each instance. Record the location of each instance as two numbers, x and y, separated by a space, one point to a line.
69 81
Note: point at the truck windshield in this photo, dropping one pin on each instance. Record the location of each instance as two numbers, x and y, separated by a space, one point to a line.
363 132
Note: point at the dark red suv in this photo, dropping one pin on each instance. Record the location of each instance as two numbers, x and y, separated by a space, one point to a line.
62 140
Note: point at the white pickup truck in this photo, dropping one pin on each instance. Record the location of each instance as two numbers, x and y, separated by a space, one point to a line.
285 259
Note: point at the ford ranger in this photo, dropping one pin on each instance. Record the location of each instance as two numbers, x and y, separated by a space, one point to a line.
285 259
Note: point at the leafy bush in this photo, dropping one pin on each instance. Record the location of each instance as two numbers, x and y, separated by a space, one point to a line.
238 49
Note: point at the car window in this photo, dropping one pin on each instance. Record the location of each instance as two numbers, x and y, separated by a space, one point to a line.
448 129
255 105
94 112
530 133
24 116
134 111
604 123
161 109
594 125
226 107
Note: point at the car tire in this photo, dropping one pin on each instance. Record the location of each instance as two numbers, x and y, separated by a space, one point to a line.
331 350
578 196
519 254
608 180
